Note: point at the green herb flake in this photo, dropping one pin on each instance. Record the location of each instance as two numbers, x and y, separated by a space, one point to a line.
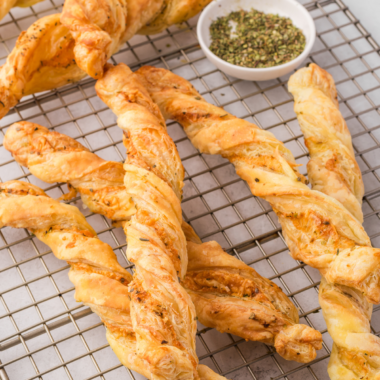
255 39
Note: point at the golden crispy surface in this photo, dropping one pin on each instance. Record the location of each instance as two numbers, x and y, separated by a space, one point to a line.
52 54
318 229
100 282
55 157
355 353
162 313
173 12
332 168
125 95
42 59
100 27
232 297
94 271
94 268
346 310
97 27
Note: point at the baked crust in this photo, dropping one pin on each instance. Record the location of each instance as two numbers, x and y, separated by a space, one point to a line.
308 218
54 157
318 229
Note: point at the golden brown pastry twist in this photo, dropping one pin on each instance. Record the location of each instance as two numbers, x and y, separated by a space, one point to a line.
355 353
42 59
50 54
232 291
100 282
6 5
54 157
332 168
238 299
317 228
163 315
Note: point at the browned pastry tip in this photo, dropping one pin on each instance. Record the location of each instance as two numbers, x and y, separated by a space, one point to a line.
145 135
97 27
55 157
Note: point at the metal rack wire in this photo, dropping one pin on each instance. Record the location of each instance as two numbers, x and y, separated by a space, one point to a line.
44 334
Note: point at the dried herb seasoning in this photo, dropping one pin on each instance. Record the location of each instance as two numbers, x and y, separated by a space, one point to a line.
255 39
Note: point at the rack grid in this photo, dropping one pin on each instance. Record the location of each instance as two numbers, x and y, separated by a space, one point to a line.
45 334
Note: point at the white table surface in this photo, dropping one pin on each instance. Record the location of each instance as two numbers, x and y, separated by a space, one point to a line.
367 12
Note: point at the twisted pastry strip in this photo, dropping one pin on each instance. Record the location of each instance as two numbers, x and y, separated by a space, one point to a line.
42 59
238 299
97 27
100 282
6 5
50 54
332 168
163 315
317 228
355 353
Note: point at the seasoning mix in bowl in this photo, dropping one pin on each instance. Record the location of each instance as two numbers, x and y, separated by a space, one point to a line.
255 39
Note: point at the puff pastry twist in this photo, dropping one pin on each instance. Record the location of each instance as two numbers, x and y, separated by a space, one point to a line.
42 59
334 171
318 229
163 315
332 168
228 294
51 54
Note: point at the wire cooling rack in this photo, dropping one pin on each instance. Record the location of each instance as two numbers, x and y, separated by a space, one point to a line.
45 334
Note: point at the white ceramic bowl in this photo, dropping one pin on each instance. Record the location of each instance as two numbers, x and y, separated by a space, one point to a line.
288 8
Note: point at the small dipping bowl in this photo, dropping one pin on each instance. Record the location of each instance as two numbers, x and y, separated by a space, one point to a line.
300 17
